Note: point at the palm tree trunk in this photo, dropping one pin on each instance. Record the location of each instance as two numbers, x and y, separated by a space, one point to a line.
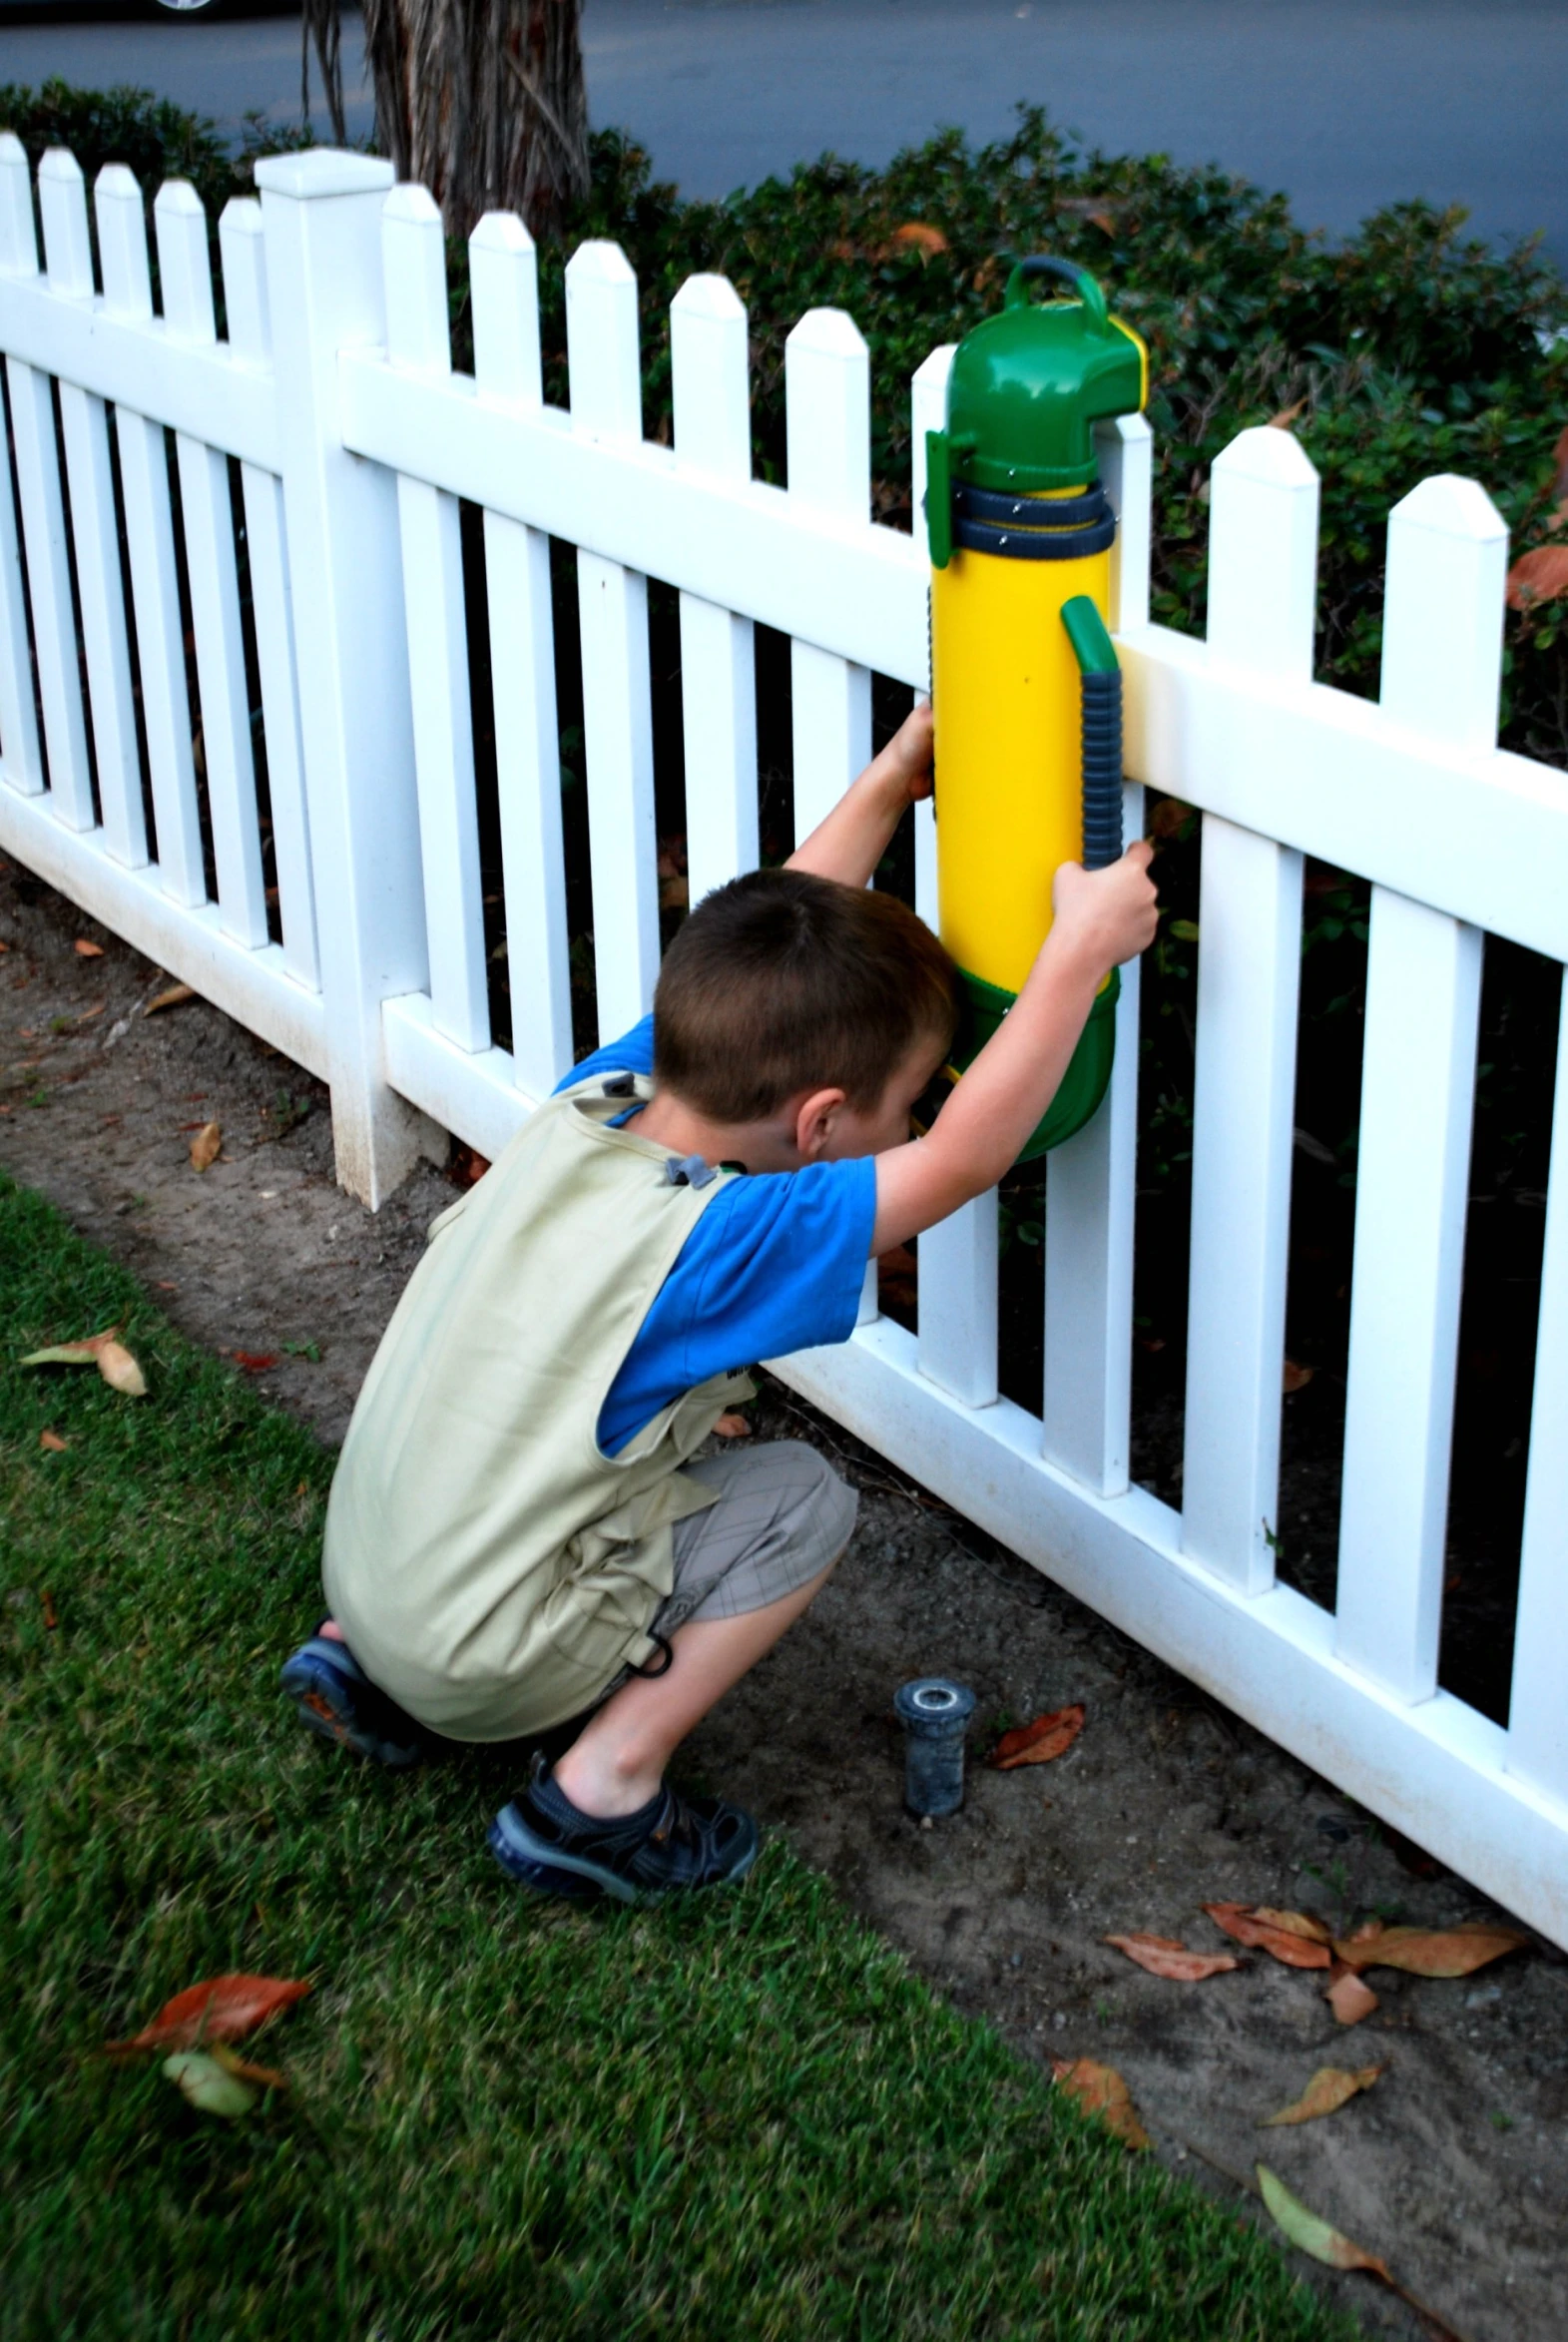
484 102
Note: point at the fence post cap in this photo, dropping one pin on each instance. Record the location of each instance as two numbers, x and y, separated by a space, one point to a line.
1450 506
603 261
178 194
409 201
59 163
501 231
322 171
709 296
1269 452
240 215
834 331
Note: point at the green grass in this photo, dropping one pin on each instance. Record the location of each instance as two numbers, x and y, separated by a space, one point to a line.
737 2119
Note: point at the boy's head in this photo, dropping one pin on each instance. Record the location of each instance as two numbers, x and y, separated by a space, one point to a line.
783 986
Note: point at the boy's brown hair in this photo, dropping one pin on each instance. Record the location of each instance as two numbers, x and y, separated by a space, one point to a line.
782 981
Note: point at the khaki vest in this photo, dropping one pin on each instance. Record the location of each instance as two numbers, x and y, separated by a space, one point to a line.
490 1567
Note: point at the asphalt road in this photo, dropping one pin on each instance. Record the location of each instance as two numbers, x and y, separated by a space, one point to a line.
1346 104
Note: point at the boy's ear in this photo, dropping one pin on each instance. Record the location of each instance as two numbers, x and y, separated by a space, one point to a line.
814 1122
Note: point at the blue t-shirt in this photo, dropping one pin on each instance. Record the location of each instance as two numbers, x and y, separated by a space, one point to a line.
775 1264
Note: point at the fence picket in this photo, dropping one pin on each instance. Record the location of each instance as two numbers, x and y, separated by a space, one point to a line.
611 604
186 272
413 246
1537 1710
1443 645
1091 1180
21 756
827 397
1263 568
83 422
240 235
150 549
505 280
43 521
713 434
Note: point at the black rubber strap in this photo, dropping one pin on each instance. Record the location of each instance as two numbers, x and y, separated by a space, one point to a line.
1035 544
1005 510
1102 767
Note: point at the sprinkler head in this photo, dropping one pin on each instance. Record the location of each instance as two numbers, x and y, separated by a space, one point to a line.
933 1713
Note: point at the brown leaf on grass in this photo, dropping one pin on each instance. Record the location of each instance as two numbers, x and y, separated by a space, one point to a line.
205 1147
46 1603
1282 1944
1350 1998
1295 1923
255 1361
733 1426
1431 1951
1540 575
84 949
264 2077
1330 2088
220 2009
168 999
1311 2235
922 236
51 1439
1037 1743
1101 2090
115 1362
1295 1377
1164 1956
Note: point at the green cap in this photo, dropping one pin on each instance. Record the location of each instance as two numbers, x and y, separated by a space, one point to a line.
1029 385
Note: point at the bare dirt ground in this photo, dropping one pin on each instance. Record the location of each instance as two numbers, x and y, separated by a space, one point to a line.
1453 2167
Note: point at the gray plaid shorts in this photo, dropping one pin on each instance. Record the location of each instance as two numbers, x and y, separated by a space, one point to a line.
782 1516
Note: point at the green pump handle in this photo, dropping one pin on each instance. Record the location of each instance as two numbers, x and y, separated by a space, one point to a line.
1100 682
1086 287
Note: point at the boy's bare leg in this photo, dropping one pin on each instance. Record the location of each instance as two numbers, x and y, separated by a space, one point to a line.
618 1759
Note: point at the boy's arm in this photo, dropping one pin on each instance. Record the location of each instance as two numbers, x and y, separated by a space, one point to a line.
1101 918
850 843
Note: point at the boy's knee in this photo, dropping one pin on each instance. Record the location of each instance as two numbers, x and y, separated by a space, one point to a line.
826 1504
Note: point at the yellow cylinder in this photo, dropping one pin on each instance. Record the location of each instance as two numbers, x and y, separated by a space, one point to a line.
1009 761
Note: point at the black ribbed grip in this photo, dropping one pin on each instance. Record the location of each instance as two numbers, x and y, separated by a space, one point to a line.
1102 759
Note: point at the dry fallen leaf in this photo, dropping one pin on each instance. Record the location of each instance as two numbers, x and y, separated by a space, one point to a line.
168 999
52 1441
1293 1922
1101 2090
221 2008
255 1361
1164 1956
1311 2235
1350 1998
733 1426
1330 2088
205 1146
1037 1743
1431 1951
264 2077
1282 1944
46 1603
209 2088
117 1368
1540 575
86 951
1295 1377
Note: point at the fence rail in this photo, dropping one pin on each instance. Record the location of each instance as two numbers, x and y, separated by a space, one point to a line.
296 490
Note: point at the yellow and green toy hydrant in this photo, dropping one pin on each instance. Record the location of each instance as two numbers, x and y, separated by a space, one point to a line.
1027 690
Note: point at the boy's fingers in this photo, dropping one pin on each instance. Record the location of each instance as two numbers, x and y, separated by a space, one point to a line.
1141 851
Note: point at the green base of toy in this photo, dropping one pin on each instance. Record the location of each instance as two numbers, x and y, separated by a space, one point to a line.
1088 1076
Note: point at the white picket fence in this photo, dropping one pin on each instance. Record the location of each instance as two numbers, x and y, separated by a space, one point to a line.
355 441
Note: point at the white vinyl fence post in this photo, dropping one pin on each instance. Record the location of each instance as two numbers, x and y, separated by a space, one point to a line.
1091 1179
418 340
43 528
242 239
504 274
321 214
150 546
827 393
713 434
958 1309
23 762
68 255
1442 655
607 403
1538 1708
1262 578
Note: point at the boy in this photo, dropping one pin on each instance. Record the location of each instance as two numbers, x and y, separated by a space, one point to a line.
517 1538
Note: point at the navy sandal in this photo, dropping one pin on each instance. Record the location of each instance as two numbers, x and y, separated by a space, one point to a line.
669 1845
333 1695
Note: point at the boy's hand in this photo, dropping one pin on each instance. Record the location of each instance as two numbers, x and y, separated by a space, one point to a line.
1106 916
905 765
